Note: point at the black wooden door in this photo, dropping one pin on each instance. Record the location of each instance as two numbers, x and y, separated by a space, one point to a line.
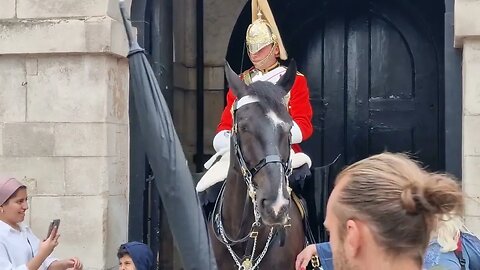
373 72
374 81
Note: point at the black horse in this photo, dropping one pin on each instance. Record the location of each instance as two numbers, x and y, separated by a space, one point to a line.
255 224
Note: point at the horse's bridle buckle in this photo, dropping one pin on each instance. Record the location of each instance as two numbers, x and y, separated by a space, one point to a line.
246 264
315 261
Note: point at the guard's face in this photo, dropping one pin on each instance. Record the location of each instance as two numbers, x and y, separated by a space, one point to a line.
265 57
126 263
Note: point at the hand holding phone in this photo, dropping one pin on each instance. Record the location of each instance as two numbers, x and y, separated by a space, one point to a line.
54 224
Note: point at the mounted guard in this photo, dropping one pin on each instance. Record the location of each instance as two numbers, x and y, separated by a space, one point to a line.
265 48
268 113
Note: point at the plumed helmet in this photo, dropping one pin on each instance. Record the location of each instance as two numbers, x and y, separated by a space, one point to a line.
259 35
263 30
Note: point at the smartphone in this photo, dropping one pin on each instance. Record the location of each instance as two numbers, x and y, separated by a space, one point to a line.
54 223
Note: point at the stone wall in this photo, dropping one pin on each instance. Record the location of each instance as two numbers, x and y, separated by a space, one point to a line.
64 120
219 19
471 129
467 36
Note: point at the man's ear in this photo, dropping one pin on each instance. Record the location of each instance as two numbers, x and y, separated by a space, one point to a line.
234 82
287 79
353 238
276 51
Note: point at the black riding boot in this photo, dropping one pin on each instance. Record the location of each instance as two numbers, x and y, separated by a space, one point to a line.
297 178
208 198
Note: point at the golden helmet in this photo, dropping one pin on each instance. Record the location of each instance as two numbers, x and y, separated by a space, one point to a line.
263 30
259 35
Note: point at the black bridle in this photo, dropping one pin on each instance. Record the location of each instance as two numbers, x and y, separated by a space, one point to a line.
249 173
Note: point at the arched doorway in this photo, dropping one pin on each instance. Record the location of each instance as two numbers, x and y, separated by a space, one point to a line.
375 72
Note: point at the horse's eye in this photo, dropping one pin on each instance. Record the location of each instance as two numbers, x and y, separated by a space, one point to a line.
244 128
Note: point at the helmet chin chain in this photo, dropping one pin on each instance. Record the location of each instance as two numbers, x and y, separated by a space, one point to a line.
261 62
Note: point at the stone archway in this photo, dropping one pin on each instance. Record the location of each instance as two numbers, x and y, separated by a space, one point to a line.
220 18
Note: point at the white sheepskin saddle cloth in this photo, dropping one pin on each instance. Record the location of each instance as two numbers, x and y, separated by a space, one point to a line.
219 163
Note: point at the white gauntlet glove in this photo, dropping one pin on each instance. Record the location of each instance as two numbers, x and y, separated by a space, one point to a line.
221 140
221 144
296 134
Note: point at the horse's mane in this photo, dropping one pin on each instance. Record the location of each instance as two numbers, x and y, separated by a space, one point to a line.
269 95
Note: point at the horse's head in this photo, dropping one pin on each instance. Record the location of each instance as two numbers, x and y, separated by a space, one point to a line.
261 141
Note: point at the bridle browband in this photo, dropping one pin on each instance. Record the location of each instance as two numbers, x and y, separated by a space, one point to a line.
248 174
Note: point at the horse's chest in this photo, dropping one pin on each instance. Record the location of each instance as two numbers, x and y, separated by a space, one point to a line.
274 259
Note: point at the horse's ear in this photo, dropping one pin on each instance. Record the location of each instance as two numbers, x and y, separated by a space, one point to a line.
234 82
287 80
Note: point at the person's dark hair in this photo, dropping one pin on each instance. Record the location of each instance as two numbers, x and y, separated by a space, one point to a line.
399 200
122 251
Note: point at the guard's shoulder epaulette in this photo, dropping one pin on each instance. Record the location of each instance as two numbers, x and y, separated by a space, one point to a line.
246 72
246 76
298 72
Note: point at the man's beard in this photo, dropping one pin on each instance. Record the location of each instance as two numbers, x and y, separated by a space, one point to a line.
340 261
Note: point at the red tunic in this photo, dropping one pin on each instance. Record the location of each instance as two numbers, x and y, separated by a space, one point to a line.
299 108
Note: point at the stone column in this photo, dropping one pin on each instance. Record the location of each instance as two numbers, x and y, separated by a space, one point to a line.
219 19
467 36
64 120
184 76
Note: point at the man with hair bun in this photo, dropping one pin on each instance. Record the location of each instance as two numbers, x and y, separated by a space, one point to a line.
382 211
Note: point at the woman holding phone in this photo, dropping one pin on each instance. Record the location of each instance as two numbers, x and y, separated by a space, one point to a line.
20 249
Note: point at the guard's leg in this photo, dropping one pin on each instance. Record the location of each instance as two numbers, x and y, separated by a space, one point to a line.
208 198
297 178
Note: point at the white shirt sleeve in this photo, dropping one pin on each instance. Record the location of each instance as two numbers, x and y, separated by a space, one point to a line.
18 247
297 136
48 261
35 245
5 260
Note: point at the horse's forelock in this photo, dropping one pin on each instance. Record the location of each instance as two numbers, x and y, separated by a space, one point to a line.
269 95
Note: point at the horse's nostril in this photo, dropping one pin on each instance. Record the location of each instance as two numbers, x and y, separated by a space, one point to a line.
263 202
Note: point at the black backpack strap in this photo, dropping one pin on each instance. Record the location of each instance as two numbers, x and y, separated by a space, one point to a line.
459 254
